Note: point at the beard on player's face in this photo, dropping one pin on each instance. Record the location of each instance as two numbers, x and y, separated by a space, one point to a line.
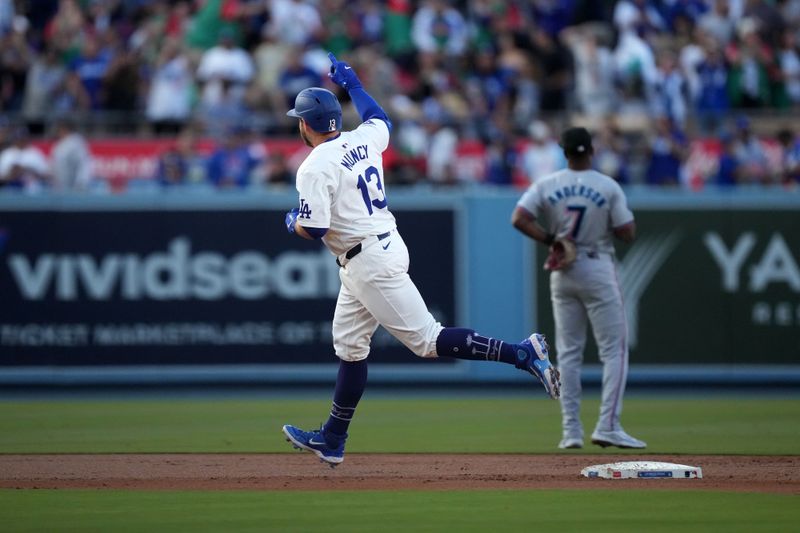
304 135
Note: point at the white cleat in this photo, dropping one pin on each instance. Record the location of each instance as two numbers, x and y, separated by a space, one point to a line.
617 438
571 443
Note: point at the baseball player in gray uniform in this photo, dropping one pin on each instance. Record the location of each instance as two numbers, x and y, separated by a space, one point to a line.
586 209
344 202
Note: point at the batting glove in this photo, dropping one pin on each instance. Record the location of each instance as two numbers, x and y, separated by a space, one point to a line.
291 219
343 74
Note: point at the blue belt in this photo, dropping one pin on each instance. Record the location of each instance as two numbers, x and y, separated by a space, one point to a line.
355 250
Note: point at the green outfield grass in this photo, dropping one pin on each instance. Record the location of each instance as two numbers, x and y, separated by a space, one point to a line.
397 511
458 423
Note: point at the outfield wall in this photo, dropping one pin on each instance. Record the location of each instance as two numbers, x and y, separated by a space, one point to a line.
185 286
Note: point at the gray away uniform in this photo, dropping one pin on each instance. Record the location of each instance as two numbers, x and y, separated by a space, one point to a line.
585 206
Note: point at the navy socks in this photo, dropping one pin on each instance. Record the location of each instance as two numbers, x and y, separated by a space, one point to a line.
464 343
350 385
460 343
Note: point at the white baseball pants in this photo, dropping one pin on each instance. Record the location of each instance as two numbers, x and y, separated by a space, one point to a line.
376 289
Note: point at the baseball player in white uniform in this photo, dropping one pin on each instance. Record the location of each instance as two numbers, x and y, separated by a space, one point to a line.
589 209
343 202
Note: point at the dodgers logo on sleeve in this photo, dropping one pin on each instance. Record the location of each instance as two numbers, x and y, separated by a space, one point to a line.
305 209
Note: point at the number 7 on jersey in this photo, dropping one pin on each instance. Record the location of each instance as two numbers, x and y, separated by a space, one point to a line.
576 212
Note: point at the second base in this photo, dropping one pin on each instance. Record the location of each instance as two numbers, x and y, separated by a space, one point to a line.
643 469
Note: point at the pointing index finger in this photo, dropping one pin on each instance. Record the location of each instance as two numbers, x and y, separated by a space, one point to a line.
332 58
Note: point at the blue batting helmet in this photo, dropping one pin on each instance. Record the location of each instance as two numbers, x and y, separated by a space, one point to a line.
319 108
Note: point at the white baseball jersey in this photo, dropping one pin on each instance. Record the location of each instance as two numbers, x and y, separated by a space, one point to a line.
341 187
585 206
582 205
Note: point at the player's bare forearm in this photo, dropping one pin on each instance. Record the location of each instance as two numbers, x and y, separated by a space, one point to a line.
626 233
526 223
300 231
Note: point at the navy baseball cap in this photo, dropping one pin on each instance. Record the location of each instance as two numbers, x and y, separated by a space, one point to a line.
576 141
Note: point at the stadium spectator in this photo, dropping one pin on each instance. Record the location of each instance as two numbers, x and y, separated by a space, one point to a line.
789 60
669 91
768 21
640 16
296 76
718 23
178 20
210 22
369 27
691 54
684 12
72 98
526 94
668 150
397 32
554 65
750 61
750 155
790 12
340 34
39 18
7 14
70 158
727 174
270 60
66 29
789 173
123 84
5 133
181 163
224 114
169 99
612 152
487 87
712 98
442 142
634 61
439 29
501 159
44 82
150 35
91 66
595 93
15 61
22 165
225 70
511 59
278 171
294 22
233 162
542 156
553 17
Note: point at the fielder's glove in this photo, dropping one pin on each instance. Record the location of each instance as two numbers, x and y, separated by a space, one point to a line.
562 254
343 74
291 219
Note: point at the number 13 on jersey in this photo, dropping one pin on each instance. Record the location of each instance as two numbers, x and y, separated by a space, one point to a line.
364 186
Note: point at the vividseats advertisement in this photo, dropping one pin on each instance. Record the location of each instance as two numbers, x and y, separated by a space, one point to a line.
187 286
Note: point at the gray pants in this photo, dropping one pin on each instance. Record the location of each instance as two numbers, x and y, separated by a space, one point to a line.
589 290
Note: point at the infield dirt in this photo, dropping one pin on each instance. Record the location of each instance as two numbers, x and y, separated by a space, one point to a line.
302 471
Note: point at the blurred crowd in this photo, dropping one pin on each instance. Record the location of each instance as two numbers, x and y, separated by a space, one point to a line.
647 76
